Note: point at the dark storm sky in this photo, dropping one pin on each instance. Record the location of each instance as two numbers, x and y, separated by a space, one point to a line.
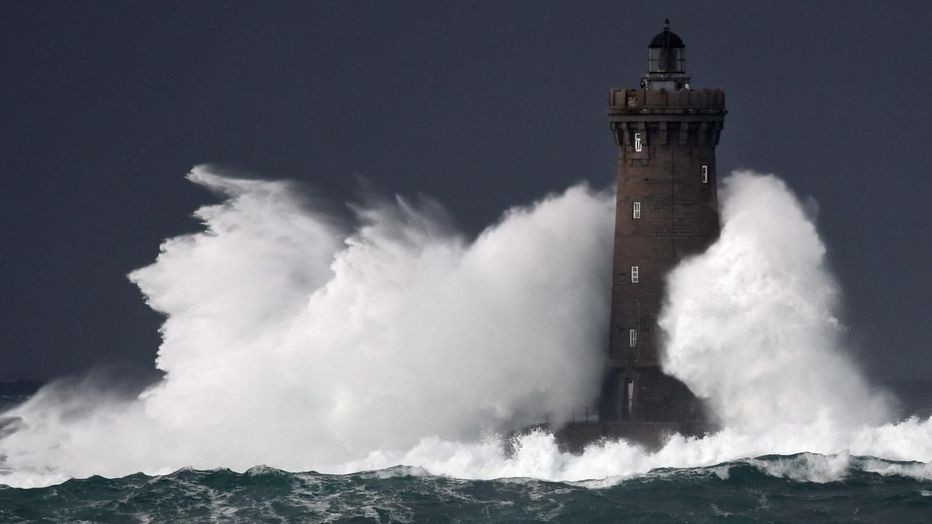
104 106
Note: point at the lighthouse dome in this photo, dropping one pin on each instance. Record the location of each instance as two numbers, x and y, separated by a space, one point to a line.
666 53
667 39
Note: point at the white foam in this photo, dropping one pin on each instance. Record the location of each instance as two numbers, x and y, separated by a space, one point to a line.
294 343
807 467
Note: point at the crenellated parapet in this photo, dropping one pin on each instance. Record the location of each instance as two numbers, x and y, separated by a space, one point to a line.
686 116
683 101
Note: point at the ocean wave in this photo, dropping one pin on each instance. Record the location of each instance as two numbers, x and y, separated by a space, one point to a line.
393 351
805 486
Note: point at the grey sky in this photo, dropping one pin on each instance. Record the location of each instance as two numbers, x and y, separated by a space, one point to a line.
104 106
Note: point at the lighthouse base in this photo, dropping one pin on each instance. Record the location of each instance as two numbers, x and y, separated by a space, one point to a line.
575 436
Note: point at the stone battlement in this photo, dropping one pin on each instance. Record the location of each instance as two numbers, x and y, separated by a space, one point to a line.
682 101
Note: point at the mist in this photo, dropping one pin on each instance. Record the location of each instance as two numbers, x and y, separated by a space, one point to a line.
292 341
299 341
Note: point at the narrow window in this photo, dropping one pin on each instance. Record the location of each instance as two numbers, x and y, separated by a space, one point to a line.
632 338
629 397
634 274
637 210
637 142
705 174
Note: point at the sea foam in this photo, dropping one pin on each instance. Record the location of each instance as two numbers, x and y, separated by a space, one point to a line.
295 341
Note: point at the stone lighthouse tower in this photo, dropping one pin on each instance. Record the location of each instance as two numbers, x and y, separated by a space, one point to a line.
666 132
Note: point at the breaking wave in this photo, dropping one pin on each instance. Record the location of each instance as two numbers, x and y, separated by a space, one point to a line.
295 341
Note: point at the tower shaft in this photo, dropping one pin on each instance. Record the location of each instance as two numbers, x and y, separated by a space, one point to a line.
666 210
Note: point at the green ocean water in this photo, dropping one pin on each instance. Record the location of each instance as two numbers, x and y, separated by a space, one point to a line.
734 492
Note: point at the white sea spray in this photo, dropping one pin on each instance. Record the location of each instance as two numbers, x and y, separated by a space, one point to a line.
295 342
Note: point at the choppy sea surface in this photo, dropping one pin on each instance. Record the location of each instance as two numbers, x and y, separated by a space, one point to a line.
735 492
761 489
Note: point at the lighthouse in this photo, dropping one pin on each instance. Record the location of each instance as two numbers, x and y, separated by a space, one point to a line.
666 131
